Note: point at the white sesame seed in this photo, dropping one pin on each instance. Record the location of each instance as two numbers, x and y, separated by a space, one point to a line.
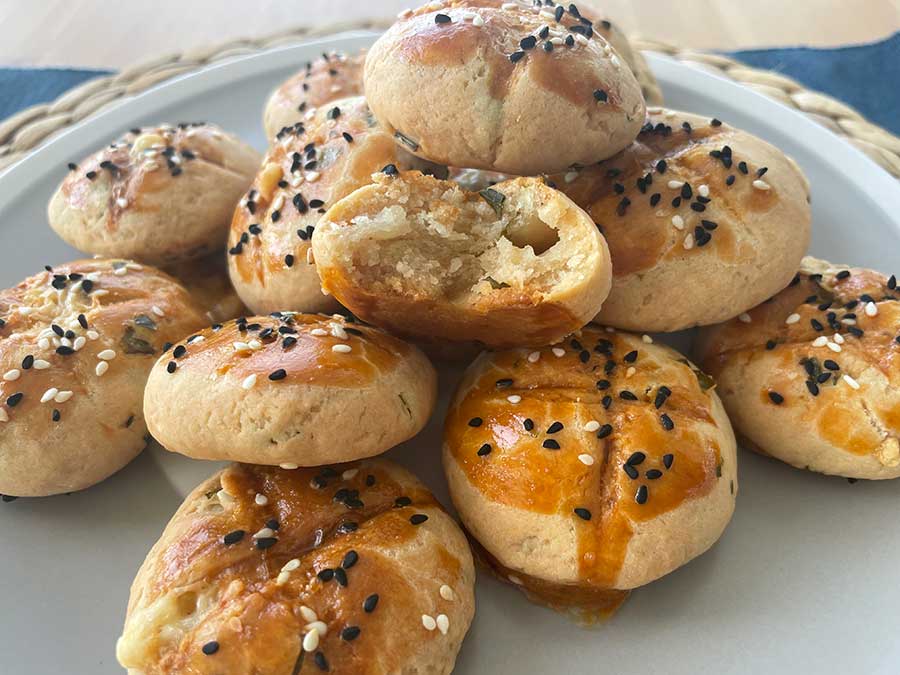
120 271
79 342
278 202
49 394
25 311
443 623
570 176
820 341
703 190
40 364
44 343
255 345
260 499
308 614
121 202
834 347
593 425
849 380
478 21
744 318
311 176
311 641
515 398
793 318
508 5
318 626
240 346
839 338
761 184
675 184
848 322
290 566
12 375
871 309
647 339
65 342
318 332
447 592
93 335
4 417
341 349
349 474
558 352
282 578
516 580
429 622
63 396
586 459
580 39
101 368
534 357
290 466
689 241
631 371
678 222
338 331
100 293
226 498
264 533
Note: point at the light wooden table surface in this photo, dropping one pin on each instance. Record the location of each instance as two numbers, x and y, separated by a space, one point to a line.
107 34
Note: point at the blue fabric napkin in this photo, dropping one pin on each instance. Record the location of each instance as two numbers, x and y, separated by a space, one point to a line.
867 77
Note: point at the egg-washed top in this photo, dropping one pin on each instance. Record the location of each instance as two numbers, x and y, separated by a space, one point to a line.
325 158
281 572
146 160
832 339
287 348
604 429
332 76
117 311
679 191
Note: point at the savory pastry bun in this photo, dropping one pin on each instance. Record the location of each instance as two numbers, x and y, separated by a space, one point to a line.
812 377
354 570
504 86
76 344
306 171
332 76
703 221
159 195
207 282
516 264
297 389
589 468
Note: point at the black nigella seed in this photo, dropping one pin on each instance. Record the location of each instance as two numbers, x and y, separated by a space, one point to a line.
279 374
272 524
555 427
288 342
27 362
812 387
631 356
370 603
606 402
418 518
641 495
668 458
662 395
400 502
210 648
320 661
528 42
636 458
370 480
770 345
350 633
179 351
630 470
265 542
602 385
14 400
661 166
550 444
442 18
627 395
653 474
654 198
503 383
288 260
515 57
484 450
715 122
776 398
584 514
528 424
730 180
233 537
171 366
604 431
666 422
56 415
347 137
316 203
584 356
548 46
390 170
326 575
601 96
340 576
475 422
831 365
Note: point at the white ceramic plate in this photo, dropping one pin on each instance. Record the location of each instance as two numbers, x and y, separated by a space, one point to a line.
804 579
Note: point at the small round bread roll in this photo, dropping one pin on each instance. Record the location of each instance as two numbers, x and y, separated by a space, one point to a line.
298 389
305 172
515 264
353 570
332 76
703 221
207 281
505 86
589 468
159 195
76 344
812 377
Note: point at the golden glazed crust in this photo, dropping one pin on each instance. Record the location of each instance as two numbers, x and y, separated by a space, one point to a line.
159 195
332 76
597 465
297 389
76 344
280 572
516 264
306 171
704 221
489 95
811 376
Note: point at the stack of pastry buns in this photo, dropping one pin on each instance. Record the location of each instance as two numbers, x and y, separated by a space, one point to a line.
484 186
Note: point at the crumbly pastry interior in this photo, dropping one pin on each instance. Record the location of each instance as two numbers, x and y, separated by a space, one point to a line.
432 239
